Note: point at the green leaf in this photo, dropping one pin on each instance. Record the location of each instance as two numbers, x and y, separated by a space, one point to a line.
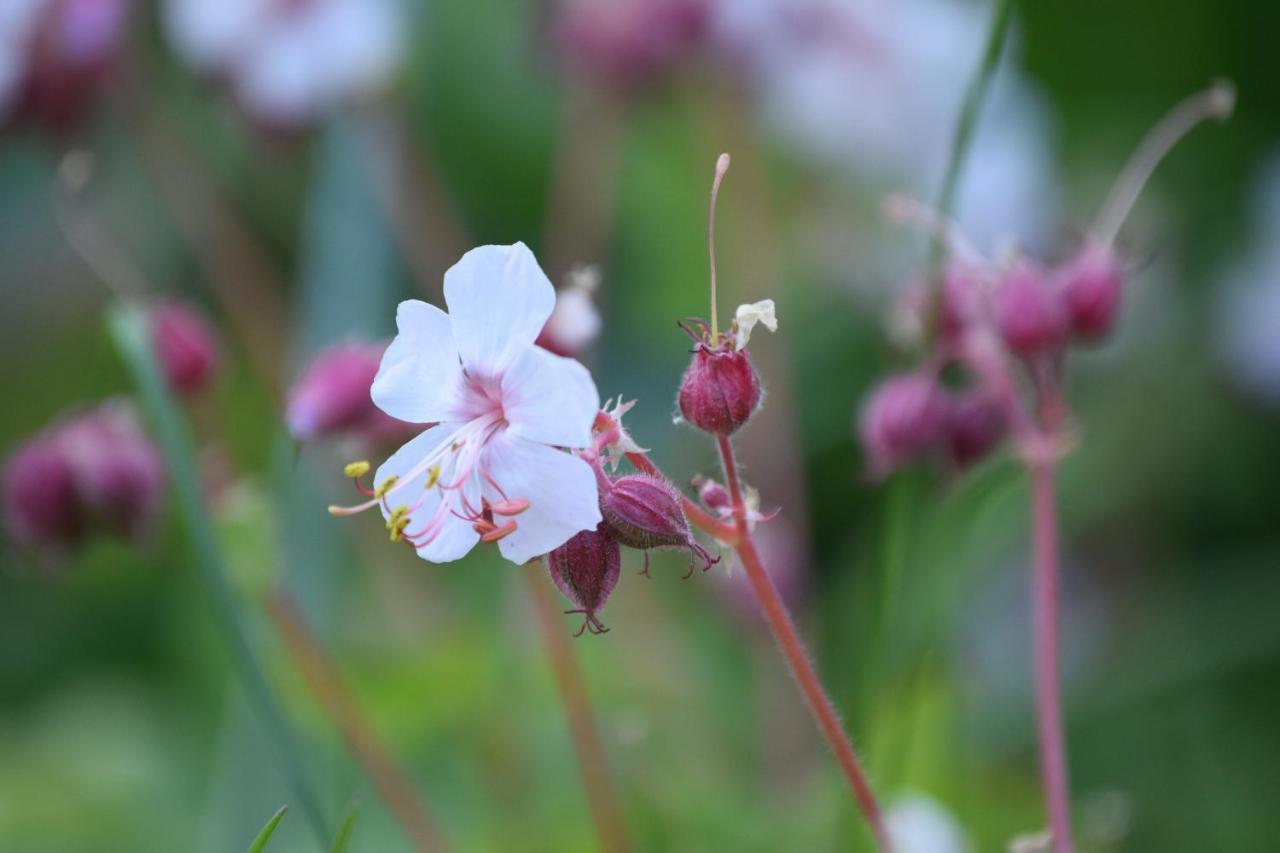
129 331
260 843
343 838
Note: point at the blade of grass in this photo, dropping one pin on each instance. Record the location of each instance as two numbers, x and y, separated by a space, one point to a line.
260 843
342 840
128 329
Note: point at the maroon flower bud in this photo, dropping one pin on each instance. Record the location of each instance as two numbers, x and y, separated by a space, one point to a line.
118 473
185 346
714 496
903 417
644 512
720 389
1091 282
70 47
586 569
629 41
332 397
1030 313
975 424
40 502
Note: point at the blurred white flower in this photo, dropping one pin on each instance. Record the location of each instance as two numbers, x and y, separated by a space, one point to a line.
290 60
1248 310
918 823
575 322
874 87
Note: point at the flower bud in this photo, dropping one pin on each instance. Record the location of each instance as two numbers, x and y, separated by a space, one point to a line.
574 322
586 569
903 417
40 503
975 424
720 389
185 346
332 397
70 46
118 473
644 512
629 41
1030 314
714 496
1091 281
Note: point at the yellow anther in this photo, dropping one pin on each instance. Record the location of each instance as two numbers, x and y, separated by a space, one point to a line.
334 509
386 485
396 516
433 475
356 470
397 529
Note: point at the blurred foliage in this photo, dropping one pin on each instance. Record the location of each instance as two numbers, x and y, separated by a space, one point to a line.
122 729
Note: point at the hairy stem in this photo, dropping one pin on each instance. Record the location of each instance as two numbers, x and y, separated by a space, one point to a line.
1044 617
602 800
336 700
784 631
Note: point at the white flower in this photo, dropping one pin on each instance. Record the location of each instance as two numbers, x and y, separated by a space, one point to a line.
918 823
502 410
746 317
874 87
288 62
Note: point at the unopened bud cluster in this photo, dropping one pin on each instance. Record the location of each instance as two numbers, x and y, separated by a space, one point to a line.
93 473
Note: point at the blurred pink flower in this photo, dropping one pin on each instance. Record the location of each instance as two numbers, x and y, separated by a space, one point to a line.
290 61
97 471
55 54
503 411
629 41
332 397
185 345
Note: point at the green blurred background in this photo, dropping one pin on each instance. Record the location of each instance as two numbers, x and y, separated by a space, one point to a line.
121 724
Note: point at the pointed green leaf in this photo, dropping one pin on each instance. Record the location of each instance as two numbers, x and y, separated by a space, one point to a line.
260 843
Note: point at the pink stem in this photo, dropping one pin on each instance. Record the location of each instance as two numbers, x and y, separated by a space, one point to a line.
784 632
1044 614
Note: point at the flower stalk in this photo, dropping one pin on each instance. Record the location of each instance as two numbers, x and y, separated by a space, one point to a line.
334 697
602 799
793 650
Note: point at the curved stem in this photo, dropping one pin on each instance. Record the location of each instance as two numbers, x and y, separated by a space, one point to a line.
601 797
335 699
1044 611
971 108
784 631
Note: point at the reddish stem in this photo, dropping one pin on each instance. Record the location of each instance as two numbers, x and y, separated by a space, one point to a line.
1044 613
601 798
784 631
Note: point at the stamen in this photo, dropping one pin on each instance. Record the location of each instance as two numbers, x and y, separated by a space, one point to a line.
386 486
433 476
722 166
1216 102
501 532
356 470
509 507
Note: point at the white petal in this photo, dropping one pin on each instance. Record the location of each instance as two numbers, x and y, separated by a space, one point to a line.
457 537
747 316
560 489
549 399
420 374
499 299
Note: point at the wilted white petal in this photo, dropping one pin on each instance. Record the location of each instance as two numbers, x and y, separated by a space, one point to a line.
746 317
